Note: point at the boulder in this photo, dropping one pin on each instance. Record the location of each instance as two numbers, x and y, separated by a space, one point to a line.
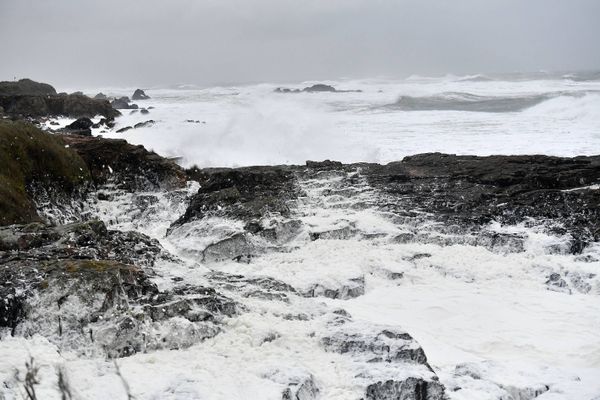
101 96
139 95
81 126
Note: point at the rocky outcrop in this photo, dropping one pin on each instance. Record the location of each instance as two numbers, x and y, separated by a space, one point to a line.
472 190
25 87
69 105
463 192
32 160
318 87
85 287
122 103
139 95
244 193
129 167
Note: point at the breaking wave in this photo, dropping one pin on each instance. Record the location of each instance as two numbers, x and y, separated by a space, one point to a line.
460 101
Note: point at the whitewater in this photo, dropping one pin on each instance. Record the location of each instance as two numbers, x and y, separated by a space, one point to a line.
387 120
490 325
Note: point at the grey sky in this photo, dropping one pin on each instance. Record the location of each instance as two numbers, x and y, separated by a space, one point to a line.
149 42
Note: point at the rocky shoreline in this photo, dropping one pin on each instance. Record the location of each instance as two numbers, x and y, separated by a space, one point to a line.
66 275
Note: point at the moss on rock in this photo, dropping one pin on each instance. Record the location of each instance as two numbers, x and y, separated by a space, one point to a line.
29 157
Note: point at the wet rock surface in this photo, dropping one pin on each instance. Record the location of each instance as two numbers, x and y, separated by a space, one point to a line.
472 191
129 167
89 289
244 193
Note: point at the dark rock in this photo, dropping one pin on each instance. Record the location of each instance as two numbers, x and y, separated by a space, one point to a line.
139 95
144 111
324 165
77 285
463 193
244 193
80 126
409 389
144 124
471 191
286 90
319 87
129 167
123 103
25 87
107 122
124 129
374 344
81 240
101 96
66 105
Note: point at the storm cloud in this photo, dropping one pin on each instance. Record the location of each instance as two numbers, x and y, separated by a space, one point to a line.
152 42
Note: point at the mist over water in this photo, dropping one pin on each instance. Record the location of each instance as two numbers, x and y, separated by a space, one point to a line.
386 121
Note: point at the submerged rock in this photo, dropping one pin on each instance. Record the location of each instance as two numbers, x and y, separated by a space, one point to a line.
303 389
144 124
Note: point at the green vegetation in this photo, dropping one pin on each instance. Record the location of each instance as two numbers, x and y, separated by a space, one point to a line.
30 156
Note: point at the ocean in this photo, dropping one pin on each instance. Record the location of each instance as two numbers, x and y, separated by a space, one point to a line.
386 121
